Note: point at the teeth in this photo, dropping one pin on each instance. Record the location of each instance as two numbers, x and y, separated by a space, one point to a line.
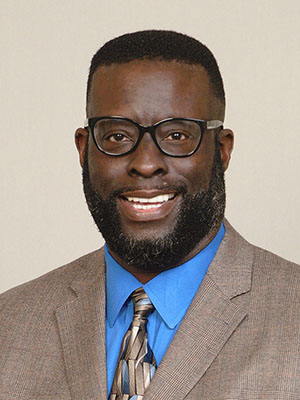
148 207
157 199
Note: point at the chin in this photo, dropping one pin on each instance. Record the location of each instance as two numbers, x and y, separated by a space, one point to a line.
155 230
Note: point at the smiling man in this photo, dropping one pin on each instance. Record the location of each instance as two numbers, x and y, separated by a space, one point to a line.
177 305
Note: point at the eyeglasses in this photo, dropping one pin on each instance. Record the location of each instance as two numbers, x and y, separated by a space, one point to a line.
176 137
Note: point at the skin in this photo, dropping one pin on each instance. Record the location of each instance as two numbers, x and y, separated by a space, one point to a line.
149 91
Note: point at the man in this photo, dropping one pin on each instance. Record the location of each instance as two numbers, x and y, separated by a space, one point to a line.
177 305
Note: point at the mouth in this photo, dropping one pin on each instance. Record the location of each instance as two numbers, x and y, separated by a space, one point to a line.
147 205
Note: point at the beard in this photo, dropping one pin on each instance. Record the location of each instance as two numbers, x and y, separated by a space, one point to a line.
199 214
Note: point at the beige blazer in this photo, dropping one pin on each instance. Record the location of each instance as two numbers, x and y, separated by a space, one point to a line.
239 339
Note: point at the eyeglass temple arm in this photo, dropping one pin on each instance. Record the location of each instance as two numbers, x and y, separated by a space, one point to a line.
214 124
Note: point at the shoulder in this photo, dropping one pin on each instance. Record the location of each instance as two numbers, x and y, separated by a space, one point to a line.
261 260
240 267
28 311
275 281
274 273
29 336
52 287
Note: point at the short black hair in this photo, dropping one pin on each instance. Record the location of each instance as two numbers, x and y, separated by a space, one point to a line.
159 44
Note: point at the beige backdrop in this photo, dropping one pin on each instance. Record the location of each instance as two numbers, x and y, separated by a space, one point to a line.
46 46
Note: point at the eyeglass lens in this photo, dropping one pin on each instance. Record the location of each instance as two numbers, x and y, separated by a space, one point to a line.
178 137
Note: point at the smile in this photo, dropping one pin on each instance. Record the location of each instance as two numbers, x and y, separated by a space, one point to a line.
144 203
147 205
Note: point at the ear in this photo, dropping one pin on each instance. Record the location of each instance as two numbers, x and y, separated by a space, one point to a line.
81 135
226 140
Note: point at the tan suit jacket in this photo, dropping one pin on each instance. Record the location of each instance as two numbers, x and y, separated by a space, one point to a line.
239 340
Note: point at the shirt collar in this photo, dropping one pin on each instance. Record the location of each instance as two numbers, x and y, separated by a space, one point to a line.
171 292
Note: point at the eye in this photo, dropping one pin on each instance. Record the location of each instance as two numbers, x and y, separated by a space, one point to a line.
176 136
117 137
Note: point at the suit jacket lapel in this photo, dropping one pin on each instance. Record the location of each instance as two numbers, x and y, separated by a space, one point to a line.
210 321
81 323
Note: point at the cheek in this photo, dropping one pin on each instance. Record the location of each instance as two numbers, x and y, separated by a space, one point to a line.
104 172
196 170
201 164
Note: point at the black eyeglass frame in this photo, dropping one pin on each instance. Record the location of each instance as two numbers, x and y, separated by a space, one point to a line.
204 125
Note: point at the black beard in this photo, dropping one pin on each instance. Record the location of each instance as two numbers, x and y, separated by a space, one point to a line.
199 214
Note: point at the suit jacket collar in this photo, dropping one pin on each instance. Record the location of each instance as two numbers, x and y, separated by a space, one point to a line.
81 323
231 269
210 321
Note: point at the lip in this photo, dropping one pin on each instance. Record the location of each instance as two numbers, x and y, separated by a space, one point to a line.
159 210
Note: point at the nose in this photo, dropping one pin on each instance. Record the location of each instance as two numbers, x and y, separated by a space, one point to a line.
147 160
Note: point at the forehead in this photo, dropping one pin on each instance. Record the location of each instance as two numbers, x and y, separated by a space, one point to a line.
150 86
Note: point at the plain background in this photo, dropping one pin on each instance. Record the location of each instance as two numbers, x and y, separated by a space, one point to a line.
46 47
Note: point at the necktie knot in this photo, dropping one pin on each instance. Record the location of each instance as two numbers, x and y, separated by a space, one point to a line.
142 304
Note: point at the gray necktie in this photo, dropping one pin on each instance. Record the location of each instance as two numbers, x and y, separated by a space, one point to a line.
136 364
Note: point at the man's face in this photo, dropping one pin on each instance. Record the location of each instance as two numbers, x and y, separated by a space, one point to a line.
149 91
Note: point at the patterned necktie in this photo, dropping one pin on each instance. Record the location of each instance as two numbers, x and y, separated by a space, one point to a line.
136 364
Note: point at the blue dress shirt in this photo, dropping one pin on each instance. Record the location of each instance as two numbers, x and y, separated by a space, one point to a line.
171 293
